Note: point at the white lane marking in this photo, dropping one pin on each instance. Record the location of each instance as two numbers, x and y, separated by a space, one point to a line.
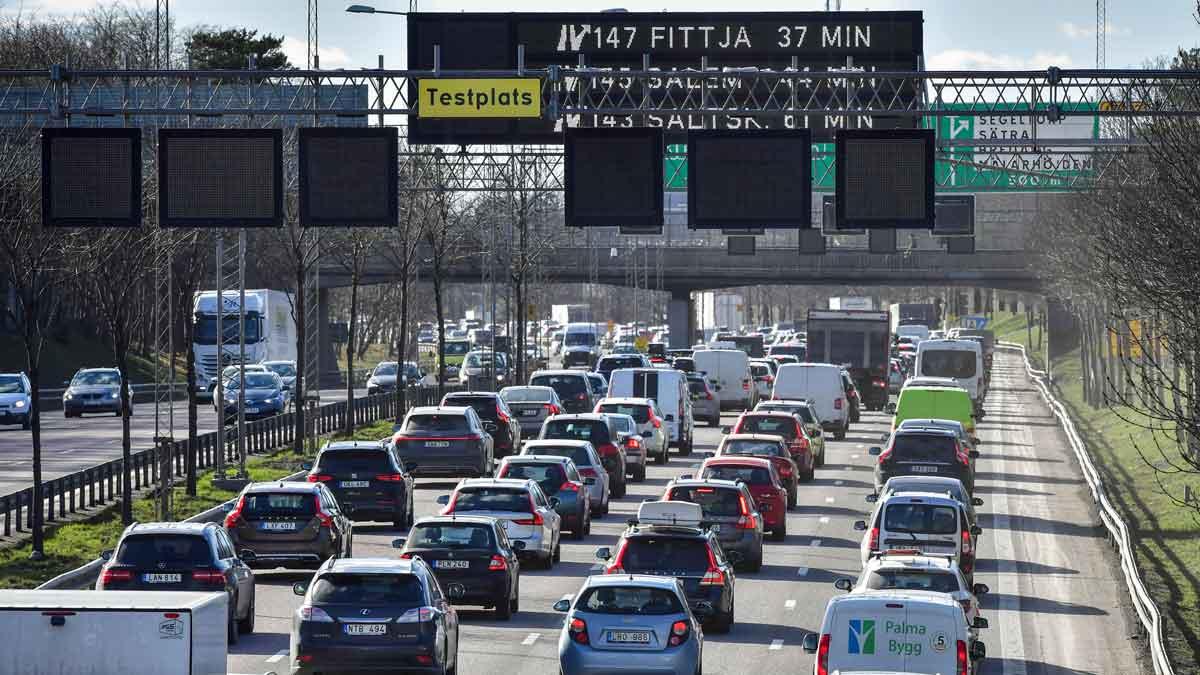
839 482
859 446
823 519
789 605
1012 639
800 572
855 456
815 542
67 452
277 656
776 645
530 639
829 500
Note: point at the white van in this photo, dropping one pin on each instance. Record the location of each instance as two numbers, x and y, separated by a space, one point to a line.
669 389
961 360
581 345
895 631
822 385
919 332
728 373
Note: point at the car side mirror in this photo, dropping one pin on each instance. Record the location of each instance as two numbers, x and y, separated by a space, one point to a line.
106 554
726 430
809 643
976 501
872 498
563 605
399 542
518 545
670 418
603 553
443 499
974 439
860 525
247 556
589 481
307 466
976 530
456 591
875 451
974 454
554 502
843 584
978 651
980 589
980 622
300 587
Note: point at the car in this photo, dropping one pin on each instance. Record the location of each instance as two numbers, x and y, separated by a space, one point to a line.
473 552
761 477
669 390
934 484
667 539
790 428
957 427
621 623
821 385
15 399
586 460
289 524
958 359
632 445
911 571
947 403
559 478
286 370
572 387
728 371
383 377
531 406
444 441
648 420
525 512
895 377
232 371
926 381
925 451
367 479
94 390
611 362
852 397
264 397
934 524
807 414
705 405
497 418
374 614
481 369
763 376
796 349
183 557
728 509
581 345
773 448
602 433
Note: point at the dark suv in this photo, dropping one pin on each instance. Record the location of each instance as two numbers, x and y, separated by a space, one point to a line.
183 557
367 480
572 387
925 452
289 524
444 441
498 419
607 364
599 430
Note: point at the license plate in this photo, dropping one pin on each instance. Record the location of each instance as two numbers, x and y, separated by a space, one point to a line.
529 413
924 469
285 527
251 411
437 444
640 637
366 629
161 578
451 564
355 483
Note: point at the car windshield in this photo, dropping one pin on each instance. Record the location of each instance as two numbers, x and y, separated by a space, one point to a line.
759 370
387 368
929 448
798 351
457 348
484 406
438 424
352 461
580 340
948 363
205 329
743 447
955 489
577 454
282 369
548 476
291 504
697 386
492 499
803 411
639 412
526 394
567 386
484 360
630 600
913 580
610 363
920 518
676 556
96 378
176 550
368 589
751 475
713 501
593 431
769 425
450 535
254 381
11 384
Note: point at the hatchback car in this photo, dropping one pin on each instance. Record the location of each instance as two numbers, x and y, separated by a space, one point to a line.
498 420
367 480
928 523
558 478
383 378
790 428
598 430
808 419
611 362
773 448
925 451
524 511
572 386
936 485
629 623
374 614
531 406
473 552
649 419
94 390
760 476
15 401
444 441
910 571
289 524
705 405
586 460
183 557
729 510
264 397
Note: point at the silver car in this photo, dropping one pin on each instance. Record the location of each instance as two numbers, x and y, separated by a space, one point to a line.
705 404
525 512
15 401
632 444
629 624
532 405
586 459
649 420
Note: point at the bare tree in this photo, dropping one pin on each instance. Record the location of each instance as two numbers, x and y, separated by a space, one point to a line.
351 249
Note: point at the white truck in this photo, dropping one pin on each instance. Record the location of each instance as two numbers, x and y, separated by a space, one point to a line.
270 332
565 314
851 303
724 312
128 632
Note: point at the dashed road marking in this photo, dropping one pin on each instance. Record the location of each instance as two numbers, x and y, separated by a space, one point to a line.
829 500
277 656
855 456
823 519
859 446
800 572
815 542
839 482
789 605
530 639
776 645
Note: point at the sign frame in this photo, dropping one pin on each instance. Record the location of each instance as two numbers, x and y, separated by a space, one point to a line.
133 135
165 135
846 136
803 215
654 141
388 134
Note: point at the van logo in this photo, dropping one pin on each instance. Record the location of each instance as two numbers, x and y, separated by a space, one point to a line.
862 636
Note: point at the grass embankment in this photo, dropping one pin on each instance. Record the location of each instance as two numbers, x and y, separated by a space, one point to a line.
60 360
1166 536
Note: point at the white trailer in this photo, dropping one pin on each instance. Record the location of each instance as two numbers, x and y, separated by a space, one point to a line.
851 303
565 314
128 632
270 331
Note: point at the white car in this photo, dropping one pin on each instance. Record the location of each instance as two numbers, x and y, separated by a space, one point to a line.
911 571
525 512
15 401
649 420
933 524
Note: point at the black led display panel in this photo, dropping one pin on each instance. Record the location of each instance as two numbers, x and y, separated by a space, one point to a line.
349 176
91 177
220 177
885 178
955 215
614 178
749 179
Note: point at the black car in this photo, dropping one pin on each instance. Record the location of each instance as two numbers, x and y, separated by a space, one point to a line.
925 452
374 615
289 524
598 430
367 479
498 419
444 441
183 557
572 387
559 478
611 362
471 551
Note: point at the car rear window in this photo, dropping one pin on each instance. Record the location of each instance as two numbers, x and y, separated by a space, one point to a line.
484 406
921 518
615 363
629 600
368 589
948 363
713 501
759 370
955 489
665 555
751 475
931 448
450 535
639 413
567 386
264 504
548 476
914 580
492 499
525 395
353 461
753 448
697 387
593 431
769 425
435 424
577 455
175 550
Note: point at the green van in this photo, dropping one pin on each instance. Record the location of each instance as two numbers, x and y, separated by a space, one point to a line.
945 403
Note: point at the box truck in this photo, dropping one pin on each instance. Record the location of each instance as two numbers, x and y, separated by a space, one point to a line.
565 314
851 303
270 332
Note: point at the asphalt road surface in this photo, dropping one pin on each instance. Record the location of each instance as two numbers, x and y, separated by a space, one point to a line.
1055 605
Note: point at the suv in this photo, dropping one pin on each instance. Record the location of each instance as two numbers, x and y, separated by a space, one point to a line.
611 362
497 418
705 405
559 478
572 386
666 539
587 461
369 483
94 390
649 421
444 441
910 571
729 510
183 557
287 523
15 401
925 451
931 524
525 512
597 429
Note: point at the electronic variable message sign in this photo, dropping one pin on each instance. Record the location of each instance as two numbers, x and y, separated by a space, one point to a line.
349 176
90 177
220 177
885 178
744 179
613 178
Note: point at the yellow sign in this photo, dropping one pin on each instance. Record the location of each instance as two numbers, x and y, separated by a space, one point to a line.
480 98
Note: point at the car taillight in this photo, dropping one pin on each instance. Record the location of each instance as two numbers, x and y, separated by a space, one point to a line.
633 443
209 577
108 576
616 566
537 517
655 421
746 385
578 631
551 409
708 395
679 633
581 396
966 543
607 449
406 556
417 615
501 416
235 515
588 472
837 404
963 455
886 455
318 477
769 379
823 655
450 506
714 576
964 664
802 441
498 564
325 518
747 521
307 613
873 542
785 469
879 383
390 477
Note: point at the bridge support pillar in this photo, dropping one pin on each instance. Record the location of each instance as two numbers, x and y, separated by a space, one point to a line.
681 319
330 376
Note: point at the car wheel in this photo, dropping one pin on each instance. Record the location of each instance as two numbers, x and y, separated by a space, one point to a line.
808 476
662 457
25 425
685 448
398 522
233 624
639 474
793 498
603 508
116 413
618 489
587 527
756 564
840 434
723 624
580 530
820 461
504 610
779 533
246 625
349 547
557 554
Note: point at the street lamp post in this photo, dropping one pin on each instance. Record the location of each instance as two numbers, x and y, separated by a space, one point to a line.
367 9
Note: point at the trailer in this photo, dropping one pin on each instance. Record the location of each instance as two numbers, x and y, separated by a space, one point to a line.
859 340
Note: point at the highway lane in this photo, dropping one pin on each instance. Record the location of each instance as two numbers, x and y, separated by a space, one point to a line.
1055 607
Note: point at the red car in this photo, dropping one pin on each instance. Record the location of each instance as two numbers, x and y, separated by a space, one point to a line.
790 428
773 448
760 476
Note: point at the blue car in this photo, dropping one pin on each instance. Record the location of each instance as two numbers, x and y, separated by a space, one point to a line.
629 623
264 396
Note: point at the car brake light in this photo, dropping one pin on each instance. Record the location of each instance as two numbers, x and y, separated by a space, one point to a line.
873 543
879 383
537 517
632 443
708 395
235 515
616 567
578 631
679 633
390 477
569 486
823 655
714 576
747 521
417 615
498 564
785 469
746 385
966 543
500 414
209 577
654 420
588 472
551 409
964 664
886 455
318 478
606 449
581 396
326 519
110 575
837 404
963 455
450 506
317 614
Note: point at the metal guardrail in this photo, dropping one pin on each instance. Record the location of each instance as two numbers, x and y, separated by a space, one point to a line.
1143 604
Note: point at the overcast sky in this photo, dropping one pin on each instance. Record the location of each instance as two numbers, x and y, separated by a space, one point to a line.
970 34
